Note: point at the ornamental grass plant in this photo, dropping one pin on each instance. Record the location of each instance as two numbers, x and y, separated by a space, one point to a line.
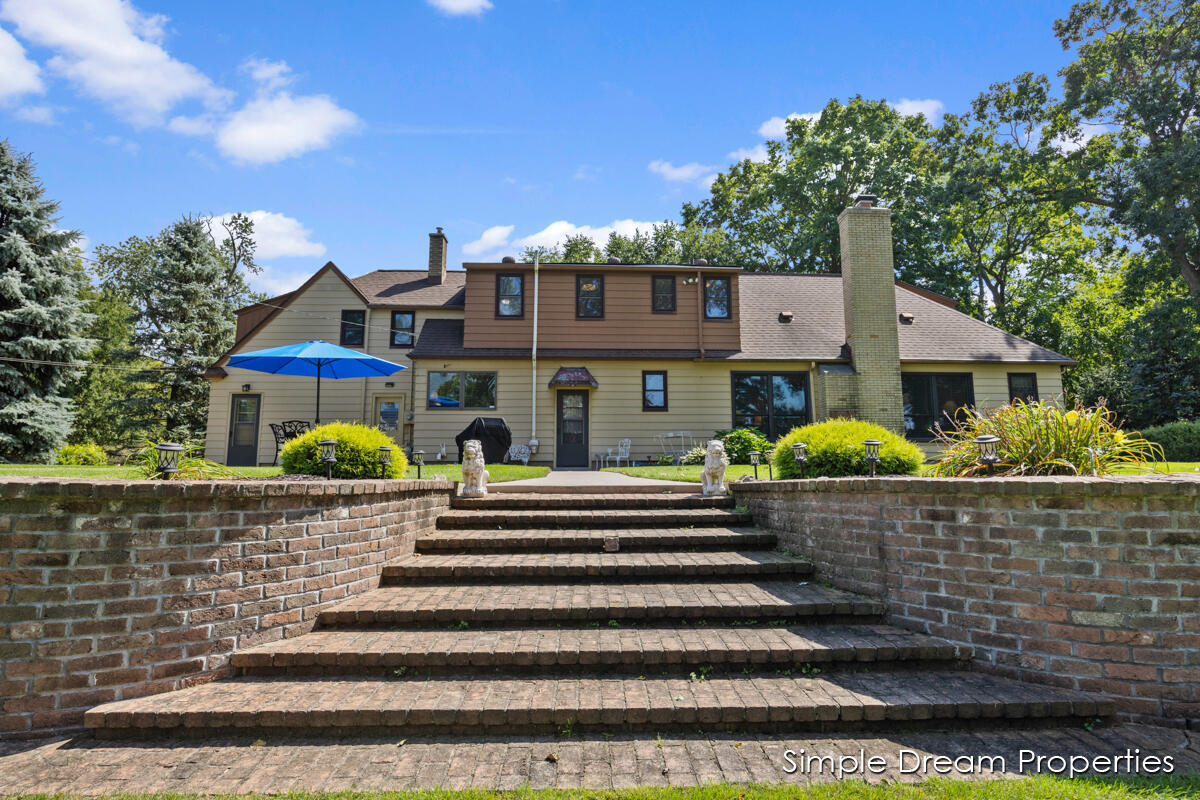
1038 438
192 464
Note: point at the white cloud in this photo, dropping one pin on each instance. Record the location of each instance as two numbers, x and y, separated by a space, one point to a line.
586 172
276 282
684 173
1087 131
269 75
270 129
930 108
18 75
276 235
776 127
460 8
113 53
492 239
554 233
42 115
756 153
128 145
199 125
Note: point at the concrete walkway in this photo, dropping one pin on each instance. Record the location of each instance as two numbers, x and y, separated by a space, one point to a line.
583 478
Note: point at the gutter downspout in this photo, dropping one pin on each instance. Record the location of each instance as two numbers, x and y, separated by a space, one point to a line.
700 313
533 386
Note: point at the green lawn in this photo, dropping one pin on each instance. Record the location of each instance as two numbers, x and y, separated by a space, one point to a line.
1035 788
691 473
499 472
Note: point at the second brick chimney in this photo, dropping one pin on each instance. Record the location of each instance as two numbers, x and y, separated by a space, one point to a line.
437 256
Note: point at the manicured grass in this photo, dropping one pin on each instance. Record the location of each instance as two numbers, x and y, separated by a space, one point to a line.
691 473
499 472
1035 788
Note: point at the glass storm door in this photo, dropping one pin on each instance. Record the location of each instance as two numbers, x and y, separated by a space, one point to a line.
387 415
572 439
243 431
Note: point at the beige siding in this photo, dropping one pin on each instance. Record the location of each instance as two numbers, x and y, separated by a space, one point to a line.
315 314
699 401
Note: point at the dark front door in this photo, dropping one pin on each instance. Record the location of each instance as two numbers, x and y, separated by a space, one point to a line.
572 449
243 430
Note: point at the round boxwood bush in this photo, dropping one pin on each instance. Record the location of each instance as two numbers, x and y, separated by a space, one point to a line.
740 441
88 454
1180 441
835 448
357 452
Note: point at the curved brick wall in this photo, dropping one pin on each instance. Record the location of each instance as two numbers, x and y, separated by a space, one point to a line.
112 589
1086 583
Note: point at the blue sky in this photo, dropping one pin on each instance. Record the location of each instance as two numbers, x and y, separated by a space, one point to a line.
355 128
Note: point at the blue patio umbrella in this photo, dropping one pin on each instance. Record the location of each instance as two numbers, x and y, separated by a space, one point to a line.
319 358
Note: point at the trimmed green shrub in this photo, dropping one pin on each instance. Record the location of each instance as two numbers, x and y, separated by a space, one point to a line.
695 455
1042 439
192 464
835 449
1180 441
740 441
88 454
357 452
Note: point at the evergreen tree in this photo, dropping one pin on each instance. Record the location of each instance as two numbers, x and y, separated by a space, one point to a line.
41 314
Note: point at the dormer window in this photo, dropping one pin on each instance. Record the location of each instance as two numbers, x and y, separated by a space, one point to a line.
717 298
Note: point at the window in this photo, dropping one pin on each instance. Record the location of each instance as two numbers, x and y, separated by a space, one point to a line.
461 390
354 323
933 400
774 403
402 328
654 391
589 296
510 296
716 298
1022 386
662 294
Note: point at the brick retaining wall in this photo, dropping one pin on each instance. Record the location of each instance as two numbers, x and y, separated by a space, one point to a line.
116 589
1085 583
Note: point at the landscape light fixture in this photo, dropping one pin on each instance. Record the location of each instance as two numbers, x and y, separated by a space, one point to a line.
872 446
799 453
754 458
987 452
329 456
385 460
418 461
168 458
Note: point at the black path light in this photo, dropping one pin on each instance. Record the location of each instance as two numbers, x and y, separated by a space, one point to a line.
385 460
418 461
328 455
754 459
988 455
800 454
872 446
168 458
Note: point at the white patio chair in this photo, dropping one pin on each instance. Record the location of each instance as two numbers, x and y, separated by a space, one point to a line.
622 454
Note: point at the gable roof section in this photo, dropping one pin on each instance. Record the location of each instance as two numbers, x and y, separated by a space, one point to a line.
408 288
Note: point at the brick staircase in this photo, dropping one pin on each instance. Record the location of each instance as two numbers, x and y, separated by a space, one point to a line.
512 618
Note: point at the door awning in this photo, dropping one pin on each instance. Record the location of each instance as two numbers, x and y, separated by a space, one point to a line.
573 376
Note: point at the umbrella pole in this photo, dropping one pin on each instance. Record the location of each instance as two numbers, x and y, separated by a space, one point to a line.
318 392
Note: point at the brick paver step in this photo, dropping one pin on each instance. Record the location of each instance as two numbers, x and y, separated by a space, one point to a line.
608 567
585 539
518 604
592 518
885 701
676 649
509 500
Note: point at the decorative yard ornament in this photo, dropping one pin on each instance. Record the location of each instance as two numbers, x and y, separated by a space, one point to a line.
168 458
800 454
872 448
328 455
754 459
715 462
475 477
987 452
418 461
385 460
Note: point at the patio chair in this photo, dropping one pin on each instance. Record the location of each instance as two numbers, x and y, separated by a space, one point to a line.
518 452
280 440
621 453
675 444
295 427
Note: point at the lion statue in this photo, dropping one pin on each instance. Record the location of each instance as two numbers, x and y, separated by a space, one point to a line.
715 462
475 477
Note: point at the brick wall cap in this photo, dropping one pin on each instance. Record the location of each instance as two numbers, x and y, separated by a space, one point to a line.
1124 485
32 487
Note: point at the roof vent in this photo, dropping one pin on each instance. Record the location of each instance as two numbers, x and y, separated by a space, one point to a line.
785 316
865 201
906 318
701 262
508 260
614 260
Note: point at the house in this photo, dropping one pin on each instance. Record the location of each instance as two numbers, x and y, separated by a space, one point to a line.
576 357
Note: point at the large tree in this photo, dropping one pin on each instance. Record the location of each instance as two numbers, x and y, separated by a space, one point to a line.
665 243
41 314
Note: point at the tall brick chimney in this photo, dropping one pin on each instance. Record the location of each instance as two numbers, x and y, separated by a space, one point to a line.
869 305
437 256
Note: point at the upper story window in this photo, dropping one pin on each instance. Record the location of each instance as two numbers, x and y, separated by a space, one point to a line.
1022 386
932 400
589 296
662 294
510 296
717 298
403 323
354 325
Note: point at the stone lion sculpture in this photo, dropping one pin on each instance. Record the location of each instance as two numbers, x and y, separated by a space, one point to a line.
475 477
715 462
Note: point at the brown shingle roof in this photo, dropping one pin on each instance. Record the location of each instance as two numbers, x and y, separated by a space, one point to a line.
407 288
